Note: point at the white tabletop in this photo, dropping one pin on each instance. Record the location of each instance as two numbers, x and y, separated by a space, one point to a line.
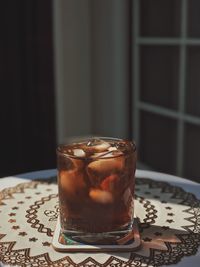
187 185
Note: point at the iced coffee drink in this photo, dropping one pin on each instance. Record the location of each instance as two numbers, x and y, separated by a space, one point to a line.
96 186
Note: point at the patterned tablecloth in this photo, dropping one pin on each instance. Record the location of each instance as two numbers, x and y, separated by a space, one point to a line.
168 210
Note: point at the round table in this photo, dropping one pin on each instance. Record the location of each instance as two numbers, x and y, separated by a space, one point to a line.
168 208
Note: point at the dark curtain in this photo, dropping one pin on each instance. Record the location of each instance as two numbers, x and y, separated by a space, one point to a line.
27 112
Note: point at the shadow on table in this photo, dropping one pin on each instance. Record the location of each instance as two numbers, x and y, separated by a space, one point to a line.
44 174
163 245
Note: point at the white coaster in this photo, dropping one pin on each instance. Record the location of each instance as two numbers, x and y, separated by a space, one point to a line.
130 242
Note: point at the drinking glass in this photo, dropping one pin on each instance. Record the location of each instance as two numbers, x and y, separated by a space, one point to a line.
96 179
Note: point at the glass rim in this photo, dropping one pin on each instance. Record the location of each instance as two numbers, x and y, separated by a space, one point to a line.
82 139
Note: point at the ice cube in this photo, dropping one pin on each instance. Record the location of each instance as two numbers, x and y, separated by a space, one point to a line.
102 147
101 196
101 154
97 145
114 184
114 153
103 166
79 152
112 148
72 182
111 183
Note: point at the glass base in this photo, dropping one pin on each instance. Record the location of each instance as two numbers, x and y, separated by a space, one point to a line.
127 242
103 238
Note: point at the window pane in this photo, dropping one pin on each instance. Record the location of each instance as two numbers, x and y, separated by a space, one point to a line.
193 81
159 75
192 152
194 18
160 18
158 142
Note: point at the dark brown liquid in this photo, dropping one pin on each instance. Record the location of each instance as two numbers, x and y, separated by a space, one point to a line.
96 185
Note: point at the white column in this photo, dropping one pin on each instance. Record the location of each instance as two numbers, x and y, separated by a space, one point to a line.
92 67
110 67
72 68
